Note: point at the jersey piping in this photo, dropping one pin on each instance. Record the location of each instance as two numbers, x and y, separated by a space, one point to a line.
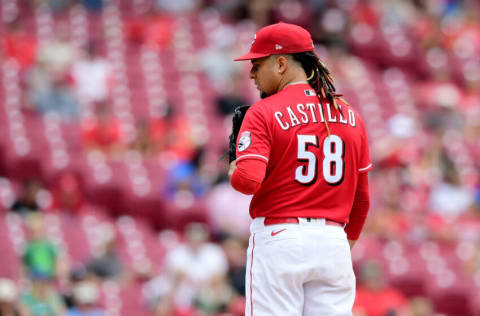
363 169
253 155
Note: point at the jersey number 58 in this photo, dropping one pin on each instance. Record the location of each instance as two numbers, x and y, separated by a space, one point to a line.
333 162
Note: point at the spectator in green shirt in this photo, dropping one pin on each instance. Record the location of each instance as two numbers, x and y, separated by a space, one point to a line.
40 256
40 264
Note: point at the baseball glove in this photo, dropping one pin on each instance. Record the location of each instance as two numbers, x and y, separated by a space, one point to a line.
237 119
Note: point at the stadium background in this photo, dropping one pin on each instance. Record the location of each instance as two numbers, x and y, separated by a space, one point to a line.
113 115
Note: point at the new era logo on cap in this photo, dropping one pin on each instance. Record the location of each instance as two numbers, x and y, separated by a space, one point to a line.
278 47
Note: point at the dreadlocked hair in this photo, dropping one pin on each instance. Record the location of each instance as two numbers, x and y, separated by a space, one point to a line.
319 77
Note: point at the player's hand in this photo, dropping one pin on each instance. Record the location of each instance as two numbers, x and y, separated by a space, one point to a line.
233 166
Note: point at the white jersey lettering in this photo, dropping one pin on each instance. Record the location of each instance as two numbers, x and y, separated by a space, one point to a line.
302 113
278 116
329 112
320 109
351 117
342 119
301 109
312 109
293 119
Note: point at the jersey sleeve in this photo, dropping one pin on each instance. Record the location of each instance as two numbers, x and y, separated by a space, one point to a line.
365 162
361 204
248 176
253 140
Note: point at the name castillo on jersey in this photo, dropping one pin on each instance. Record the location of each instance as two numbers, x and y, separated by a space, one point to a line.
312 113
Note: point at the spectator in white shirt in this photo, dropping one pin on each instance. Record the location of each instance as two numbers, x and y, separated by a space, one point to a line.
195 263
91 75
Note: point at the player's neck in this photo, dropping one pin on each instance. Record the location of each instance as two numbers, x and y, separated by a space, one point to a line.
296 78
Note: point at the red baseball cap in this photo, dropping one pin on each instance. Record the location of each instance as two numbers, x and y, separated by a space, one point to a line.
279 38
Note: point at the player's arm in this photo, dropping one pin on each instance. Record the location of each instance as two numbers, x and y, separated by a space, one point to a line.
247 176
361 202
360 207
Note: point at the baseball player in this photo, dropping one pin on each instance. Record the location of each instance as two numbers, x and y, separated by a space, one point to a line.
302 152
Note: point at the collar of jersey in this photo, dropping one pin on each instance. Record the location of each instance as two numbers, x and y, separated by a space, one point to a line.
295 83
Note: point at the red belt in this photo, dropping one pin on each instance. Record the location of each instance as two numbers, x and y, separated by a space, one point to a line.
295 220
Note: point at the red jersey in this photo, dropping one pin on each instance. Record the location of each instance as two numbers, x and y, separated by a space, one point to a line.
309 173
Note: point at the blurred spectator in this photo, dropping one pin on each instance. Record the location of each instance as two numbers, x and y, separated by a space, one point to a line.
40 258
41 298
184 185
194 264
441 92
93 5
50 81
58 5
58 55
91 75
18 44
237 306
155 132
420 306
374 296
160 295
164 307
331 26
467 225
103 131
173 137
213 296
472 264
178 7
216 61
28 201
85 296
259 11
107 264
449 198
67 195
390 221
216 295
57 98
235 249
293 11
154 29
168 136
78 274
41 262
181 156
143 143
8 299
227 209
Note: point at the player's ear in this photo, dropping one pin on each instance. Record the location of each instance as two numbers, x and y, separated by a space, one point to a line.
282 64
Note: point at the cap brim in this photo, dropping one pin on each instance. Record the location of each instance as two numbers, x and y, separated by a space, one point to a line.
250 56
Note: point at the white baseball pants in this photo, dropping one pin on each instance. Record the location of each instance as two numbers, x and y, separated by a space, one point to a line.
300 269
